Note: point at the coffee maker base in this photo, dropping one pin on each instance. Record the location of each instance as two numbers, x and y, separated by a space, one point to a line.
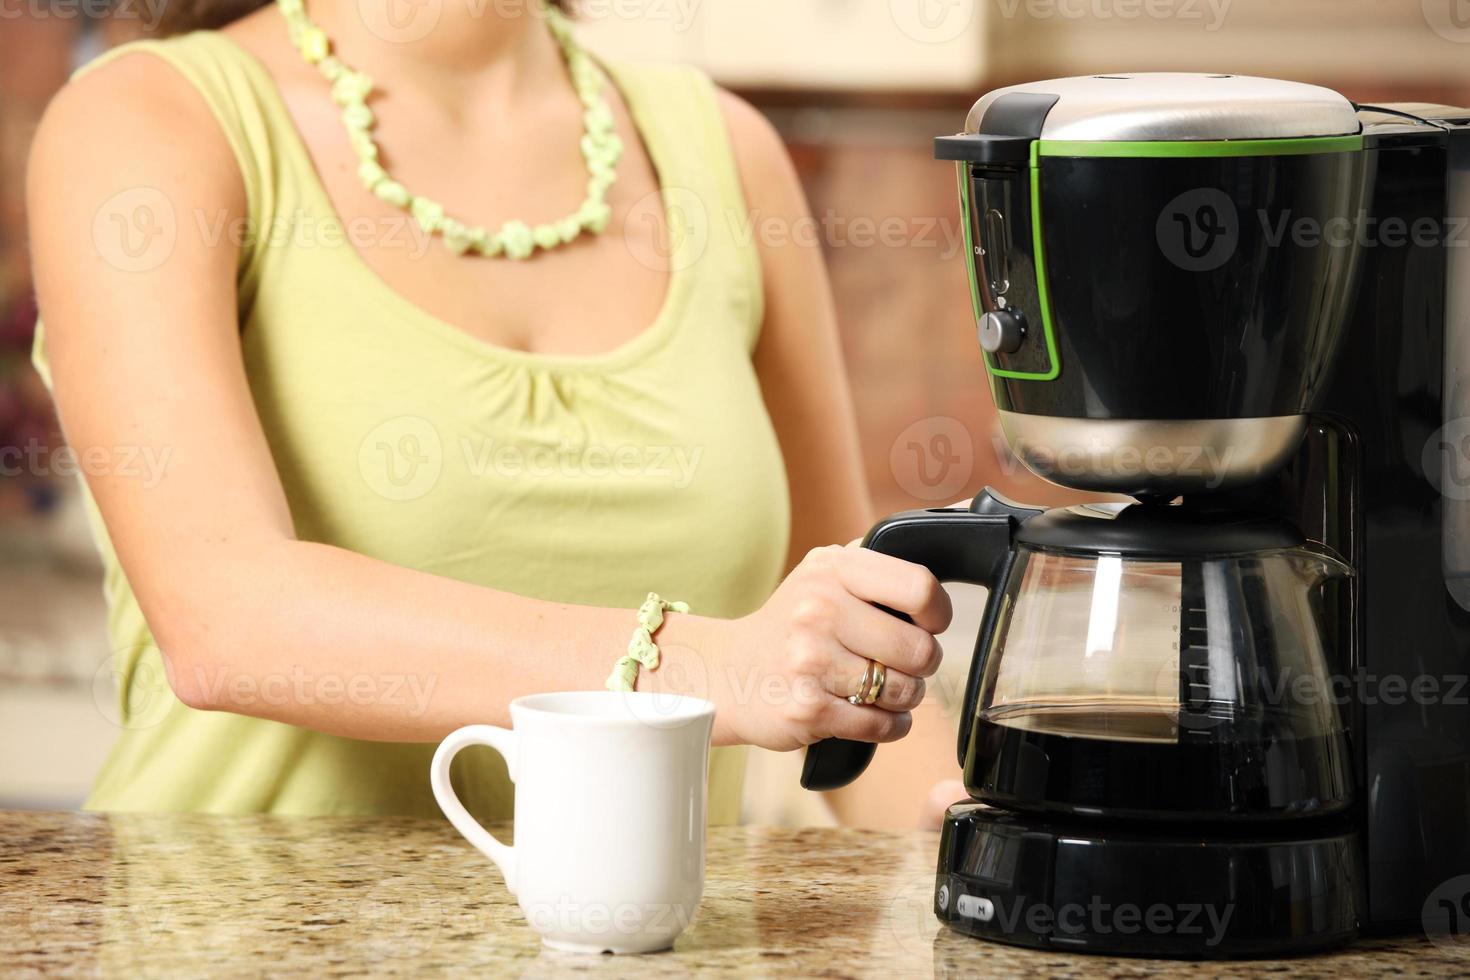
1130 891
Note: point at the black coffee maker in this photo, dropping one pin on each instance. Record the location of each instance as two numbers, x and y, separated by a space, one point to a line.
1230 718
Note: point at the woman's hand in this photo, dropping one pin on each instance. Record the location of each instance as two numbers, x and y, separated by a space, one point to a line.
792 664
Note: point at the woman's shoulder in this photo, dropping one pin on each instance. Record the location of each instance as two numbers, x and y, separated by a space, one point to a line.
155 67
133 91
130 120
684 99
196 102
166 86
757 143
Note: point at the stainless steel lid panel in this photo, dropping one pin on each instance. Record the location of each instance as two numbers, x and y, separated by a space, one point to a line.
1169 106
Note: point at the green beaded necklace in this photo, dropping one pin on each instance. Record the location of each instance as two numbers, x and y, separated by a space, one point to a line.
601 147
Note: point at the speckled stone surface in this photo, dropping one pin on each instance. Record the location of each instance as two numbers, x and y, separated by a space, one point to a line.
137 896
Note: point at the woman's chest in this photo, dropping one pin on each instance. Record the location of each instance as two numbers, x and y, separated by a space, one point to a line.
424 449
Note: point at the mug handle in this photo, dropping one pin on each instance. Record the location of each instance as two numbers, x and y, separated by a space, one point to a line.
502 740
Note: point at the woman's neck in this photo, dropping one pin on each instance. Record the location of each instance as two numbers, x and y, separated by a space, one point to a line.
496 49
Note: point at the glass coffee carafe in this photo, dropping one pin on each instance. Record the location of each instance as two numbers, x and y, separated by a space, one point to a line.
1146 661
1161 665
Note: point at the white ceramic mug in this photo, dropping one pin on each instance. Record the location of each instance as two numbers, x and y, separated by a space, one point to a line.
610 805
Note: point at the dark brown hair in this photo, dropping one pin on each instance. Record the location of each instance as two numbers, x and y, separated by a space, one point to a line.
183 16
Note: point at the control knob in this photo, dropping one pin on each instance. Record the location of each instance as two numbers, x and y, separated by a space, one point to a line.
1001 332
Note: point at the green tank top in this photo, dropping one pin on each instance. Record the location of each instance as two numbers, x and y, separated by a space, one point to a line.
582 479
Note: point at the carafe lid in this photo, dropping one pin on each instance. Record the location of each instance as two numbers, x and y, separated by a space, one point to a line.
1165 106
1157 531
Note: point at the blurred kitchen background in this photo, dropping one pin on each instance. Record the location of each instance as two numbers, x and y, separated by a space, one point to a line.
858 88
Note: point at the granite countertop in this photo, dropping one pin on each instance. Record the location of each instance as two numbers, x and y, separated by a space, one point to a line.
150 895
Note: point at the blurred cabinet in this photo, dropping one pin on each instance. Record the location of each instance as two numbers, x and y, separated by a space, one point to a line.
817 44
1368 47
1364 47
57 695
58 699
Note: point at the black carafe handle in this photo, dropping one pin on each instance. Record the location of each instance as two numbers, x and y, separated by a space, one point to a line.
971 545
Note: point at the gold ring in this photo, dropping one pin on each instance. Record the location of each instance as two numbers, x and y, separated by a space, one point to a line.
864 685
880 677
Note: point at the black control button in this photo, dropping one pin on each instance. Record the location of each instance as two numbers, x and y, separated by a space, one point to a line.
1001 332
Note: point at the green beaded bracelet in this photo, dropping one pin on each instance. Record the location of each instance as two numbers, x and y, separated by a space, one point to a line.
642 651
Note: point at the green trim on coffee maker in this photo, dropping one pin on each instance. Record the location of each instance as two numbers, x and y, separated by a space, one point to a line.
1038 256
1053 365
1198 148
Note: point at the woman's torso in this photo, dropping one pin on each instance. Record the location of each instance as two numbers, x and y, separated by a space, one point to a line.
590 479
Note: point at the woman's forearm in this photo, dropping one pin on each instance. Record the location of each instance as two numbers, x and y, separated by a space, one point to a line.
324 638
